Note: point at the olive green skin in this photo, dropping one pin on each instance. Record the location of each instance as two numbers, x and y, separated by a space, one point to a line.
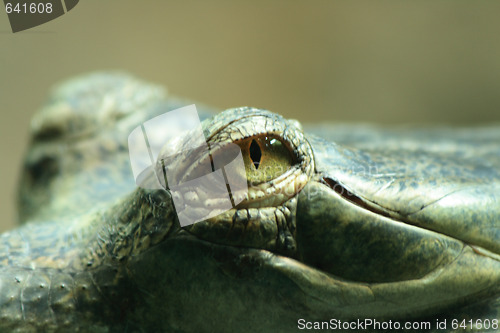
393 224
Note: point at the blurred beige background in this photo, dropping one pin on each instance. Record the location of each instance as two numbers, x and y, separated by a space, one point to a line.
384 61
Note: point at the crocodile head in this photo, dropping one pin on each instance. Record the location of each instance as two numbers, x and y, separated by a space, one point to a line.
339 222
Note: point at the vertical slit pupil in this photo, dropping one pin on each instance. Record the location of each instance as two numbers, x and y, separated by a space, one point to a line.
255 153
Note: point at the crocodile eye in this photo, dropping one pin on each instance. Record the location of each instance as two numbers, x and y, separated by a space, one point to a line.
265 157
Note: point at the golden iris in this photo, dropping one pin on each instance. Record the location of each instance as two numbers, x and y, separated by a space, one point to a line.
265 158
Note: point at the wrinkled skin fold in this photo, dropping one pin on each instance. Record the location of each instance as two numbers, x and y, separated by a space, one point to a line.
355 221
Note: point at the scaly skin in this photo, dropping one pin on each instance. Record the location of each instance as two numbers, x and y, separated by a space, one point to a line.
367 222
